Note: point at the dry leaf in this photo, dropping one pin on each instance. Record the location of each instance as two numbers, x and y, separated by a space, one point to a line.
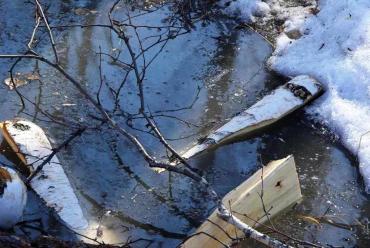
31 76
20 79
16 82
311 220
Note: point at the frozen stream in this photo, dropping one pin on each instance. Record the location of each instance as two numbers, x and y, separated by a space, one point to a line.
227 66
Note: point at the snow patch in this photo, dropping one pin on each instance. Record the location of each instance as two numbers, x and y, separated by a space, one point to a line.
246 9
282 44
335 49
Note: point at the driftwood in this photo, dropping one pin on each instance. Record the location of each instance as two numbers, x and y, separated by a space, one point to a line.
33 148
279 189
281 102
13 198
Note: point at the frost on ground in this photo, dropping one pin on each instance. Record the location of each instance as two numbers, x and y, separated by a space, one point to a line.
333 46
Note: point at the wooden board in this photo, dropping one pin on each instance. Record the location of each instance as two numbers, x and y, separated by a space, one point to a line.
32 146
278 104
281 189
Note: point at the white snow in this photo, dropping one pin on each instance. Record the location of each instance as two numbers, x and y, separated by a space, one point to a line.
12 201
335 49
247 9
270 108
51 184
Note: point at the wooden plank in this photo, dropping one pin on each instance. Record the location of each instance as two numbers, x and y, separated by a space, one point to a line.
281 189
32 146
281 102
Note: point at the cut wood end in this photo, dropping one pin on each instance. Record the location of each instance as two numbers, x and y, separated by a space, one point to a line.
5 175
13 145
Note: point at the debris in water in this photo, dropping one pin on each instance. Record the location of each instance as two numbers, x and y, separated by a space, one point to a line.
13 198
279 176
20 80
32 147
279 103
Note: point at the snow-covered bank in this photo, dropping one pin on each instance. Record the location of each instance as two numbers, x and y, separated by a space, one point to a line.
334 48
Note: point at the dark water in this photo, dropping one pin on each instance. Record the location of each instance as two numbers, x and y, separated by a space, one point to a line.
331 186
118 192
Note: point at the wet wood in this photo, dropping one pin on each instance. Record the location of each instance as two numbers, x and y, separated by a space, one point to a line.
281 102
32 147
281 189
13 198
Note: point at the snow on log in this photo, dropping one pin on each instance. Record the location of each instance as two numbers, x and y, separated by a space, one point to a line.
32 147
281 189
13 198
282 101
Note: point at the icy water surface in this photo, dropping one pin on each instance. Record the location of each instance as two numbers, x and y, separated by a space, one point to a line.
333 192
219 69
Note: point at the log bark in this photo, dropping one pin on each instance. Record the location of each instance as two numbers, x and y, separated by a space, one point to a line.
33 148
280 103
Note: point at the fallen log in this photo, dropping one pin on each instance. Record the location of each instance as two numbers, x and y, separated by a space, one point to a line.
283 101
32 147
13 198
281 189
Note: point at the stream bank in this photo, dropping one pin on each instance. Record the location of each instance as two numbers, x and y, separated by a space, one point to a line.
125 198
